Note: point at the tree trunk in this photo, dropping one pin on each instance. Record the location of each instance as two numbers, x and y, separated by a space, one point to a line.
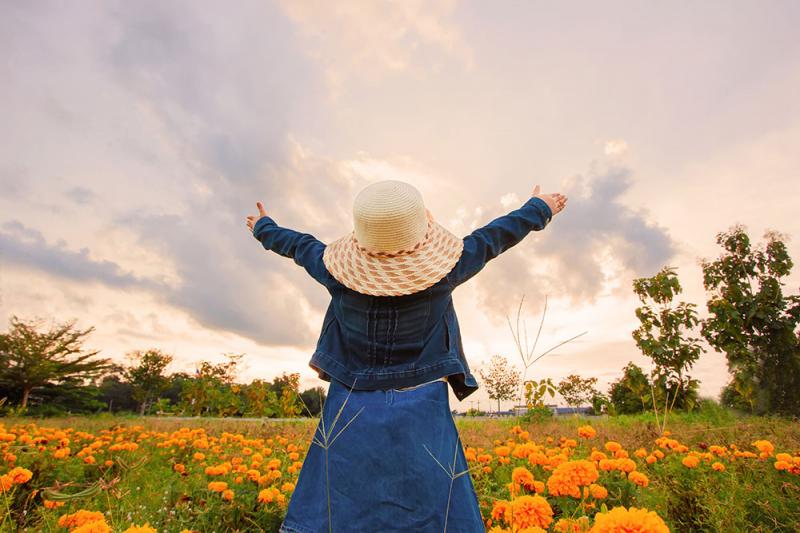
26 391
141 408
498 406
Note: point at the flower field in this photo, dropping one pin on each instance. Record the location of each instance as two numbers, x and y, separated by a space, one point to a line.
571 475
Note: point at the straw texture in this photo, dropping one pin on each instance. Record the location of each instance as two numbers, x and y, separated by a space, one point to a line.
396 247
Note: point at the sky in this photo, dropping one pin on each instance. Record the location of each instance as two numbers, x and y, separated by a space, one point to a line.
137 136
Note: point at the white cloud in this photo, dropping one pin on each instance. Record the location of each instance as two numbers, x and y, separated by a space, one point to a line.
366 40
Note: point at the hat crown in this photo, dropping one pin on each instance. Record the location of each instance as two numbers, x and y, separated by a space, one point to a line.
389 216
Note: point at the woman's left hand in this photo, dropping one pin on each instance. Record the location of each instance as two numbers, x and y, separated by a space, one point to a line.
252 219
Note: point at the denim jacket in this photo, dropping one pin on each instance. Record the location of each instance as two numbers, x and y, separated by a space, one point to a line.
381 342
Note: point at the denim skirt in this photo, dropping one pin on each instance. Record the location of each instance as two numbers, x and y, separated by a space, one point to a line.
385 460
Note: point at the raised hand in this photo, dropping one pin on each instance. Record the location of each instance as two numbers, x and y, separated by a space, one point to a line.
555 201
252 219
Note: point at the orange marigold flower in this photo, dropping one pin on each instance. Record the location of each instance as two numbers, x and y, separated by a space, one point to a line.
227 494
651 459
79 518
613 446
782 465
501 510
639 479
531 511
764 446
598 492
217 486
20 475
597 456
586 432
522 476
49 504
690 461
572 525
719 467
625 465
569 476
620 519
98 526
502 451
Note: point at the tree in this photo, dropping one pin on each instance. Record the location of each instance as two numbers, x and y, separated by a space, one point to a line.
629 393
576 390
146 376
212 389
259 399
501 379
313 400
662 335
753 323
287 388
31 360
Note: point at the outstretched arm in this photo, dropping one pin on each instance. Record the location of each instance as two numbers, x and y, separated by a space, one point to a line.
305 249
489 241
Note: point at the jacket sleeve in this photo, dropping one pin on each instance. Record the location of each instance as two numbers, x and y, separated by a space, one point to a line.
486 243
305 249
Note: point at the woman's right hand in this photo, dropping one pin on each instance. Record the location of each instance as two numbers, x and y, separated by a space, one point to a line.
555 201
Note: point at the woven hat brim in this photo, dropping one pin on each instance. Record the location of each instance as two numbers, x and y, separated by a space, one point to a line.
394 275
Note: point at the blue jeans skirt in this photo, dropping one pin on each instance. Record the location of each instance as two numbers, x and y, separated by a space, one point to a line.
385 460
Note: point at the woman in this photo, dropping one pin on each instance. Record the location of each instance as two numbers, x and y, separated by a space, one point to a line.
386 455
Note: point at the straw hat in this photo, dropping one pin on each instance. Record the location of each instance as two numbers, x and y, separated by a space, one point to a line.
396 247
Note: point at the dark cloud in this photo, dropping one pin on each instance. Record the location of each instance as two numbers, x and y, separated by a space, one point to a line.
190 111
80 195
27 247
595 220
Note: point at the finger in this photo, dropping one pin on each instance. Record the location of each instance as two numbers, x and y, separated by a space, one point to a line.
535 191
261 210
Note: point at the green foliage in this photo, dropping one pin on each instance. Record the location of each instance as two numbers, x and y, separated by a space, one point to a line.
31 360
146 376
576 390
535 392
630 393
539 413
663 333
500 379
753 323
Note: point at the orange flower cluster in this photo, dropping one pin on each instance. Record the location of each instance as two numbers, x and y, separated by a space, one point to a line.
568 477
527 511
632 520
15 476
83 521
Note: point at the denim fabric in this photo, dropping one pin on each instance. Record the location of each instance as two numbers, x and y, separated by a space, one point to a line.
394 462
380 342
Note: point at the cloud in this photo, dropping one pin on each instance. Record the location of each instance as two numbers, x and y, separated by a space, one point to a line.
616 147
24 246
366 40
570 257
